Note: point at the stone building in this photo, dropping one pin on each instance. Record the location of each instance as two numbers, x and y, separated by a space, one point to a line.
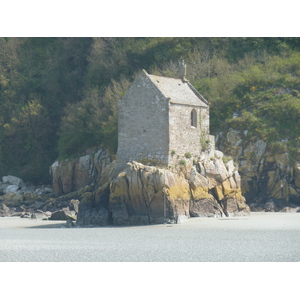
162 120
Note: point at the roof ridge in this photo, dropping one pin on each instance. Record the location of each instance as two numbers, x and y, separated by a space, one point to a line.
197 93
164 77
167 87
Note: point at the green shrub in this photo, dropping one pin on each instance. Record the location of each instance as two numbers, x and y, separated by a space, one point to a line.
204 142
226 159
277 148
182 162
188 155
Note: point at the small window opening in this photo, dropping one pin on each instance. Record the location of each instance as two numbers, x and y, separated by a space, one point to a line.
194 118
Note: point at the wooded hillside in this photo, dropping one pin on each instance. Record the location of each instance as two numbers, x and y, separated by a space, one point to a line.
59 96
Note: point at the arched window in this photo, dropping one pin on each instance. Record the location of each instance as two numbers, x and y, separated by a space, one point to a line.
194 118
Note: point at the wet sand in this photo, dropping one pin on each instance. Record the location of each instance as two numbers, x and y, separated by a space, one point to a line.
260 237
17 223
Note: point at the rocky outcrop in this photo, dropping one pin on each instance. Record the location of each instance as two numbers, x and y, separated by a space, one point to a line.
270 177
94 208
18 199
14 192
146 194
215 189
98 193
72 175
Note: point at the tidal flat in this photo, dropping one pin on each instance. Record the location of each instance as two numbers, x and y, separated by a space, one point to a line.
260 237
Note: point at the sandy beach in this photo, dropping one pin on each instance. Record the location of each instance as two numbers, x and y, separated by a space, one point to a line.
260 237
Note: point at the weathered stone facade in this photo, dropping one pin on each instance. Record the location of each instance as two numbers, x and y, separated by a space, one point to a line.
185 138
160 120
143 124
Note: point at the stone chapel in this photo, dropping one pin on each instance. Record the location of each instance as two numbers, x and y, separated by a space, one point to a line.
161 119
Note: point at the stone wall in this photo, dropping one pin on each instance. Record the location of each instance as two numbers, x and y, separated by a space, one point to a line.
185 138
143 124
204 119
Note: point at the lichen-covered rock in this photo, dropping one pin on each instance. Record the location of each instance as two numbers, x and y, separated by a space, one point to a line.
137 194
216 191
144 195
12 199
202 203
266 175
215 171
71 175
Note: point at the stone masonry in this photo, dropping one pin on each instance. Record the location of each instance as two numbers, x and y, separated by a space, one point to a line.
160 120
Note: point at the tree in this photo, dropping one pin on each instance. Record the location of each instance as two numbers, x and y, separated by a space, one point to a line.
25 148
93 121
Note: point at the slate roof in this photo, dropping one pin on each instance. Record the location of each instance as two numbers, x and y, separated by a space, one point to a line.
178 91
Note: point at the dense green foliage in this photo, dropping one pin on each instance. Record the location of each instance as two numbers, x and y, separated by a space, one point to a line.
264 99
59 96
